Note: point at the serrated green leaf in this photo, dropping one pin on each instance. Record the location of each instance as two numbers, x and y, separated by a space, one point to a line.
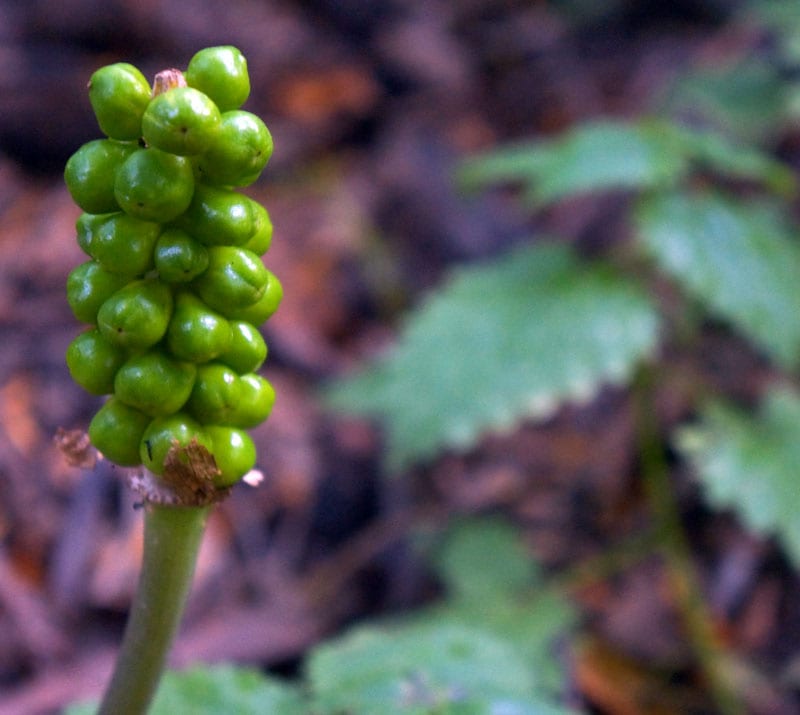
750 464
509 339
595 156
210 690
739 259
613 155
422 669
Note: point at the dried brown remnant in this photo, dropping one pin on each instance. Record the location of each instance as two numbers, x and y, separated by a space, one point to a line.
167 80
188 478
190 471
76 448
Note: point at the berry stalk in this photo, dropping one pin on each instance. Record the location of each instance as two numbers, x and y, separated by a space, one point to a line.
172 296
172 537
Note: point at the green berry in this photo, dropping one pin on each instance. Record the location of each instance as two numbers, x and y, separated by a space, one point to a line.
154 186
91 171
219 217
261 239
234 453
116 430
154 383
137 315
222 397
89 285
85 227
247 350
221 73
235 279
93 362
256 401
196 333
176 286
266 305
216 395
119 94
124 244
239 151
178 257
163 433
181 121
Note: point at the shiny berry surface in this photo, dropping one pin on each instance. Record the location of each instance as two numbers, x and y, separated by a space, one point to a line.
175 290
119 95
221 73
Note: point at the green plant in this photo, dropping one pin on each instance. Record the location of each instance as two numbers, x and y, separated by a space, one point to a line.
518 336
168 290
454 658
511 339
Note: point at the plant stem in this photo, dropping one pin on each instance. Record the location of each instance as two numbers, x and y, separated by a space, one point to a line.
677 550
172 537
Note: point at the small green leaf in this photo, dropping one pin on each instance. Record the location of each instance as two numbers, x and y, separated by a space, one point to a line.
481 560
749 464
509 339
595 156
423 669
740 259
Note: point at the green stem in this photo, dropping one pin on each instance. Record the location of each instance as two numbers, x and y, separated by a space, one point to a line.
677 550
172 537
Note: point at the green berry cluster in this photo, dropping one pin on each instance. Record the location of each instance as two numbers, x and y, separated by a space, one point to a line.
175 287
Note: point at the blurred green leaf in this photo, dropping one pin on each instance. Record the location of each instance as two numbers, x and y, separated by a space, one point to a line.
595 156
484 650
482 560
741 259
423 669
531 623
614 155
746 99
711 150
779 15
82 708
781 19
509 339
228 689
492 581
749 464
210 690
